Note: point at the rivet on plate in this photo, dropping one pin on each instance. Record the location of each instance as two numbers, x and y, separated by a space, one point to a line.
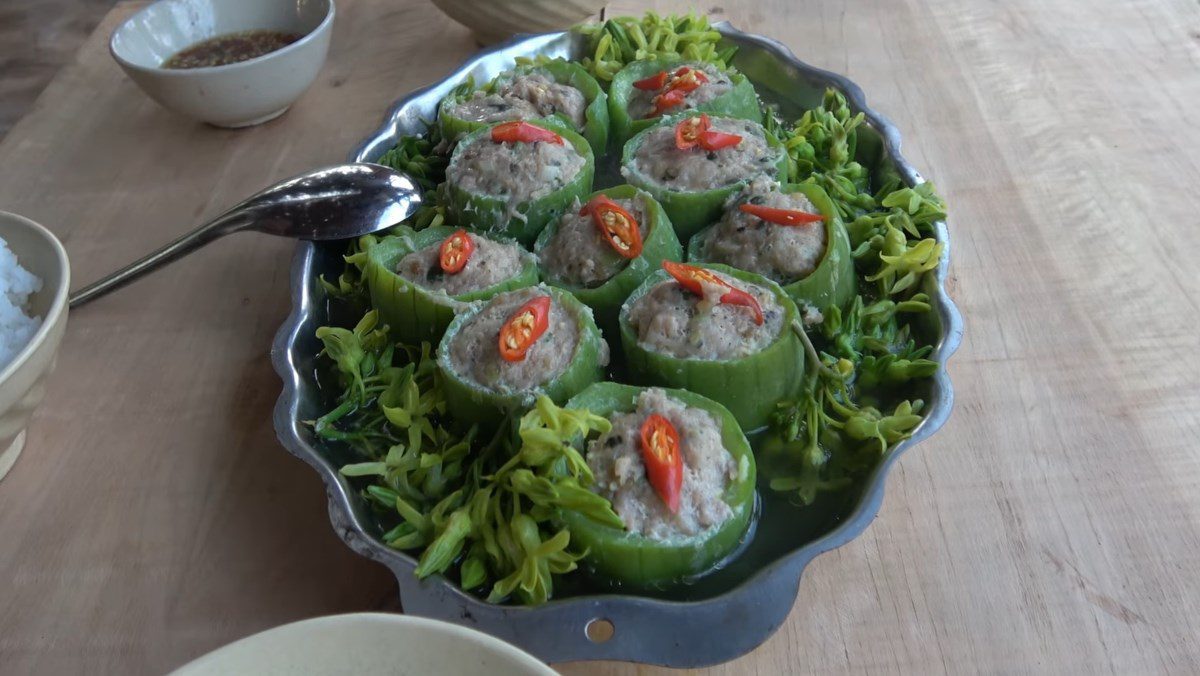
599 630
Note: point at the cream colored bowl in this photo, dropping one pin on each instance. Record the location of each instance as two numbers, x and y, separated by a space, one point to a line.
236 95
23 380
501 19
368 643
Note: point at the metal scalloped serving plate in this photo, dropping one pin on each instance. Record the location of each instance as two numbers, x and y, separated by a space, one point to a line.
702 629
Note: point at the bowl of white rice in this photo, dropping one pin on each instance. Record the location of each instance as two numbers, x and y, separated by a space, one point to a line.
34 278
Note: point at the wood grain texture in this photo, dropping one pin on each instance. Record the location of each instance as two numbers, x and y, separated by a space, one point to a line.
37 37
1053 526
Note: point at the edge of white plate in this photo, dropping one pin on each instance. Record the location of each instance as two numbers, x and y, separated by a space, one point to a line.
334 645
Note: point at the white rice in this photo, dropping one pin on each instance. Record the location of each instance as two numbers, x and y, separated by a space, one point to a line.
16 285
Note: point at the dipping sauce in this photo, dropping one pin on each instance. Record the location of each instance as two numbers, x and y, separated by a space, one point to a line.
230 48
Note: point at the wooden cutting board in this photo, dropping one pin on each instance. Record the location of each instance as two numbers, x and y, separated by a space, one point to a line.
1052 526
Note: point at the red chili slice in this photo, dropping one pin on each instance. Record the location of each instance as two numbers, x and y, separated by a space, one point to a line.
667 100
523 328
689 131
697 131
616 225
684 80
688 79
780 216
455 251
715 140
694 279
653 83
523 132
664 462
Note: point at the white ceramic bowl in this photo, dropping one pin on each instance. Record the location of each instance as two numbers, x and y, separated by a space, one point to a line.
497 20
238 94
368 643
23 380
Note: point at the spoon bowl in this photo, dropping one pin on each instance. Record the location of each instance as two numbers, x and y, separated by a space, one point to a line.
338 202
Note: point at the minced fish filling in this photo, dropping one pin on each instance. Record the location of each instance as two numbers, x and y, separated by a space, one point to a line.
492 262
517 172
615 459
641 102
696 169
784 253
671 320
527 96
475 349
577 253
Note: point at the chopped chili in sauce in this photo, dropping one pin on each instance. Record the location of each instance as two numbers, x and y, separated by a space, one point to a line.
230 48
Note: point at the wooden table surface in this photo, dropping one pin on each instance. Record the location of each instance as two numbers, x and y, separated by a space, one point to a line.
1053 525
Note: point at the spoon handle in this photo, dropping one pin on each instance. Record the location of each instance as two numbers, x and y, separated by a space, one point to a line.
181 247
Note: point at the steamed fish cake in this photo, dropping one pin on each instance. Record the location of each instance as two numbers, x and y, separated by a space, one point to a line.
602 250
514 163
703 314
677 88
778 235
462 263
645 91
680 476
420 280
582 254
554 90
528 323
741 155
713 330
497 358
525 96
692 163
516 177
624 465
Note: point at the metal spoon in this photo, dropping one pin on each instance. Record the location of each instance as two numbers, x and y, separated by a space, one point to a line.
338 202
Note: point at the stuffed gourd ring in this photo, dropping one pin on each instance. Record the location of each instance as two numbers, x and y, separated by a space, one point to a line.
417 298
714 498
691 181
673 337
552 88
513 178
573 253
642 92
560 353
810 260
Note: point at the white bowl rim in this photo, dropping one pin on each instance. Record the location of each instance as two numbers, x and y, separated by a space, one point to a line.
399 621
57 306
228 67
